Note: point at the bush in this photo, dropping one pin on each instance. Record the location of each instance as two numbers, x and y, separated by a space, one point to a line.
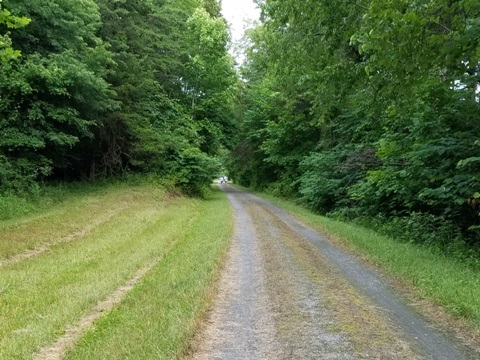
425 229
192 171
327 176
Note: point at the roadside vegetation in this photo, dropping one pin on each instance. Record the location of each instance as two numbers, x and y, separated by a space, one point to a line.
93 243
449 281
96 89
368 115
368 112
158 319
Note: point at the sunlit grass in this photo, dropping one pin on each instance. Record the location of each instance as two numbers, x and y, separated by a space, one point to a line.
159 317
42 296
66 218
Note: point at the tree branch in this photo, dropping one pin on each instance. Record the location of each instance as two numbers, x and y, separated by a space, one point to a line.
362 6
444 27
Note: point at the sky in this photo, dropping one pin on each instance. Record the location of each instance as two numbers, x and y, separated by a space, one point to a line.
239 13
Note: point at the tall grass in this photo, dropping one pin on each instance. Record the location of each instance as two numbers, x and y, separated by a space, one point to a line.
12 206
41 198
67 212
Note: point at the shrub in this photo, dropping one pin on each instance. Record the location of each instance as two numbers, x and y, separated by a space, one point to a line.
192 171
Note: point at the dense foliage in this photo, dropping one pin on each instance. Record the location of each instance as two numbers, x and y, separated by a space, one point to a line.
368 110
365 110
106 86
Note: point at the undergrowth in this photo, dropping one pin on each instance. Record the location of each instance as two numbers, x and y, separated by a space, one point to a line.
426 230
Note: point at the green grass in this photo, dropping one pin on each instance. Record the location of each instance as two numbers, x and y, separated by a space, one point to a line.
159 317
40 297
66 213
446 280
12 206
46 197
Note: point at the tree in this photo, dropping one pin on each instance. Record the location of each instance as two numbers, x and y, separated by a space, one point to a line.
366 109
56 93
11 22
210 80
173 79
213 7
107 86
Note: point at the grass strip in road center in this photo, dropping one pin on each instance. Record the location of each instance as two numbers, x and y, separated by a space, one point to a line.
432 275
158 317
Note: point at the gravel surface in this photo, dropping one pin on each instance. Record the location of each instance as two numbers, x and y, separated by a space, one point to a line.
287 293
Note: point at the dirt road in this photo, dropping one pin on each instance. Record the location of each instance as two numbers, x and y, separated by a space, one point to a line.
287 293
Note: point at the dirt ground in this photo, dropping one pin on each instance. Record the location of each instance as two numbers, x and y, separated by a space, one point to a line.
287 293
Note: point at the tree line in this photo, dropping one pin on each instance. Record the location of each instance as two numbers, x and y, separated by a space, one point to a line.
367 110
96 88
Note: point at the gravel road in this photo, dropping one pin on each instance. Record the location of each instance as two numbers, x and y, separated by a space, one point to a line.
287 293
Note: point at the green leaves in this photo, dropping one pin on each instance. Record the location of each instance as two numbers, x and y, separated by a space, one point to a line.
469 161
410 42
53 97
175 83
103 86
11 21
7 53
367 110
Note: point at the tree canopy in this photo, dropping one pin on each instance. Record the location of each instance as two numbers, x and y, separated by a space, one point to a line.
9 21
103 87
367 110
361 110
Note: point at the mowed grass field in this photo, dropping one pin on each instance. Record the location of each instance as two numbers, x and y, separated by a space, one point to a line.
139 262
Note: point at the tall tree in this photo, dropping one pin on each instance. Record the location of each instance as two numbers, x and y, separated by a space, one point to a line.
173 78
105 86
367 108
55 94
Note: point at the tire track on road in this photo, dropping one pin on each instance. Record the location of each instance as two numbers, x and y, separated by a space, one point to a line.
304 320
287 292
240 326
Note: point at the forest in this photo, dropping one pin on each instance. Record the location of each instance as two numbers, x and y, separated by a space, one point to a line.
366 111
98 88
